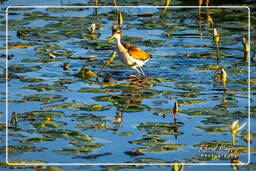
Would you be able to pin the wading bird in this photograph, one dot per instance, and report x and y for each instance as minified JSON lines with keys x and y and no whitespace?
{"x":130,"y":55}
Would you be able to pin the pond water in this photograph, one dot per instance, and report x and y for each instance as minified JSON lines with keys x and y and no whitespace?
{"x":65,"y":118}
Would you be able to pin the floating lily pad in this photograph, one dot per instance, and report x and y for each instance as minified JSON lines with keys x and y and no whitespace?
{"x":22,"y":164}
{"x":48,"y":124}
{"x":17,"y":68}
{"x":160,"y":148}
{"x":148,"y":160}
{"x":32,"y":80}
{"x":18,"y":149}
{"x":98,"y":90}
{"x":45,"y":87}
{"x":65,"y":81}
{"x":37,"y":140}
{"x":127,"y":134}
{"x":152,"y":126}
{"x":214,"y":129}
{"x":216,"y":120}
{"x":79,"y":106}
{"x":40,"y":115}
{"x":93,"y":126}
{"x":62,"y":133}
{"x":86,"y":117}
{"x":44,"y":98}
{"x":162,"y":111}
{"x":149,"y":141}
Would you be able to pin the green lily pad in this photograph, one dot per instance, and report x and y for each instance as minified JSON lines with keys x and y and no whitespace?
{"x":40,"y":115}
{"x":160,"y":148}
{"x":65,"y":81}
{"x":18,"y":149}
{"x":78,"y":106}
{"x":45,"y":87}
{"x":62,"y":133}
{"x":155,"y":126}
{"x":102,"y":126}
{"x":148,"y":160}
{"x":51,"y":124}
{"x":22,"y":164}
{"x":214,"y":129}
{"x":86,"y":117}
{"x":17,"y":68}
{"x":44,"y":98}
{"x":32,"y":80}
{"x":36,"y":140}
{"x":127,"y":134}
{"x":149,"y":141}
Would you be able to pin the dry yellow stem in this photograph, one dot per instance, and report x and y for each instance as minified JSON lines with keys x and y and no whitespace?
{"x":120,"y":20}
{"x":116,"y":6}
{"x":167,"y":3}
{"x":108,"y":62}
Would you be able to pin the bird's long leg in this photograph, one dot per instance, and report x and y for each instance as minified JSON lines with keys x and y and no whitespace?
{"x":141,"y":71}
{"x":137,"y":69}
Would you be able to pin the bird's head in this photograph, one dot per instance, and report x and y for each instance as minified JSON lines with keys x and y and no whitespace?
{"x":116,"y":35}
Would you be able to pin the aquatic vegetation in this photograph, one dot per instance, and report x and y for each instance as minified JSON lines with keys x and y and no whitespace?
{"x":57,"y":107}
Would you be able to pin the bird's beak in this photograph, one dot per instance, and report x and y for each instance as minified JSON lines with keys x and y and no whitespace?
{"x":111,"y":39}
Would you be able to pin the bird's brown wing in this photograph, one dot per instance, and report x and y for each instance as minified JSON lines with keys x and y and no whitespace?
{"x":137,"y":53}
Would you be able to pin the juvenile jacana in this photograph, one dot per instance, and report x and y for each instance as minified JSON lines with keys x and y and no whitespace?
{"x":130,"y":55}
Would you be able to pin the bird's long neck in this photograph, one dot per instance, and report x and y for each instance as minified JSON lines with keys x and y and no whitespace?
{"x":119,"y":41}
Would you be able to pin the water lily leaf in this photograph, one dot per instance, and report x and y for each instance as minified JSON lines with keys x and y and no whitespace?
{"x":40,"y":115}
{"x":44,"y":97}
{"x":18,"y":149}
{"x":131,"y":107}
{"x":206,"y":111}
{"x":102,"y":126}
{"x":97,"y":90}
{"x":45,"y":87}
{"x":43,"y":125}
{"x":62,"y":133}
{"x":41,"y":60}
{"x":153,"y":126}
{"x":65,"y":81}
{"x":149,"y":141}
{"x":17,"y":68}
{"x":22,"y":164}
{"x":160,"y":148}
{"x":216,"y":120}
{"x":187,"y":102}
{"x":32,"y":80}
{"x":37,"y":140}
{"x":86,"y":117}
{"x":148,"y":160}
{"x":78,"y":106}
{"x":162,"y":111}
{"x":127,"y":134}
{"x":214,"y":129}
